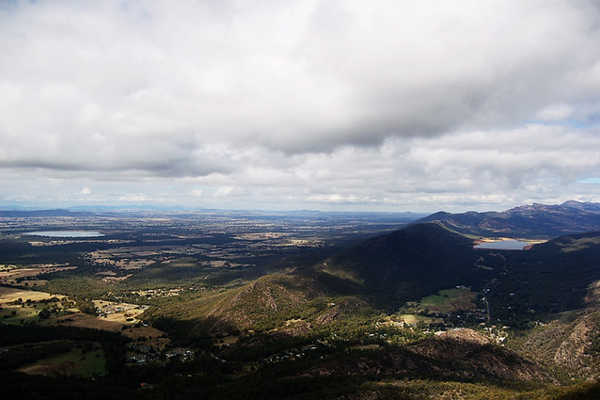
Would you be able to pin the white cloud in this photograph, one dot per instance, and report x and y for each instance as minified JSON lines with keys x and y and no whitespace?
{"x":300,"y":104}
{"x":555,"y":112}
{"x":224,"y":191}
{"x":134,"y":198}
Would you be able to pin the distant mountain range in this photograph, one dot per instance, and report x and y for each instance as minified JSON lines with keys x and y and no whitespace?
{"x":534,"y":221}
{"x":42,"y":213}
{"x":528,"y":221}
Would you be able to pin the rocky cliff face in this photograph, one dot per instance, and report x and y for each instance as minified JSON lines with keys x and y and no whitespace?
{"x":576,"y":352}
{"x":570,"y":345}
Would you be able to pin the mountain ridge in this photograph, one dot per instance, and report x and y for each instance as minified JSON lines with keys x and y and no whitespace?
{"x":539,"y":221}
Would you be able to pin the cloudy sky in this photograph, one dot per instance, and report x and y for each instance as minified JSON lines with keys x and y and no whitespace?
{"x":332,"y":105}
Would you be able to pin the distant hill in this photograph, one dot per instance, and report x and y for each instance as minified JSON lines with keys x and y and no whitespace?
{"x":409,"y":263}
{"x":288,"y":304}
{"x":555,"y":276}
{"x":529,"y":221}
{"x":421,"y":259}
{"x":42,"y":213}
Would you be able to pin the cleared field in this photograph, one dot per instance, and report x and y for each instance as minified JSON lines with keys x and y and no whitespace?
{"x":366,"y":347}
{"x":143,"y":332}
{"x":260,"y":236}
{"x":125,"y":264}
{"x":113,"y":279}
{"x":184,"y":262}
{"x":8,"y":295}
{"x":148,"y":336}
{"x":17,"y":315}
{"x":33,"y":283}
{"x":77,"y":362}
{"x":414,"y":320}
{"x":81,"y":320}
{"x":400,"y":320}
{"x":449,"y":300}
{"x":10,"y":274}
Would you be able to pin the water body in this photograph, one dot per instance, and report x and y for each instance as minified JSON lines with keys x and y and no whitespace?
{"x":65,"y":234}
{"x":509,"y":244}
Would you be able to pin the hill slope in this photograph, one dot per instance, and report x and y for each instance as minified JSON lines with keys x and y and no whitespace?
{"x":291,"y":304}
{"x":570,"y":343}
{"x":552,"y":277}
{"x":384,"y":272}
{"x":409,"y":263}
{"x":349,"y":302}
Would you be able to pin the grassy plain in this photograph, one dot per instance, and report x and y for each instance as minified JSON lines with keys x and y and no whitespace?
{"x":77,"y":362}
{"x":9,"y":295}
{"x":449,"y":300}
{"x":81,"y":320}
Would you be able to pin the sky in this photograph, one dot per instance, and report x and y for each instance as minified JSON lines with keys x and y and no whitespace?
{"x":329,"y":105}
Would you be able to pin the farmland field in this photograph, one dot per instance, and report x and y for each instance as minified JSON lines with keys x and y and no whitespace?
{"x":8,"y":295}
{"x":77,"y":362}
{"x":449,"y":300}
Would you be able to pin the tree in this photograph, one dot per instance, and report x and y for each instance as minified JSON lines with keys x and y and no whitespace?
{"x":44,"y":314}
{"x":86,"y":306}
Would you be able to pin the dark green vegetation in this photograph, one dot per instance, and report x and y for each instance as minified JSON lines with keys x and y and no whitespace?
{"x":408,"y":264}
{"x":302,"y":308}
{"x":530,"y":221}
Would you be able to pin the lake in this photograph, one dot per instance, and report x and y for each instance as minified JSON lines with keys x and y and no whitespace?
{"x":65,"y":234}
{"x":509,"y":244}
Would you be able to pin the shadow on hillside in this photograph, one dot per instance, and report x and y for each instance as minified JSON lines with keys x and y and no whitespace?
{"x":199,"y":332}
